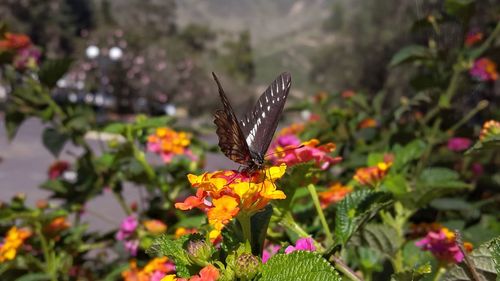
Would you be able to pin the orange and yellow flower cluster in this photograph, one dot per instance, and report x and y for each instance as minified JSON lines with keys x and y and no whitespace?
{"x":335,"y":193}
{"x":484,"y":69}
{"x":224,"y":194}
{"x":168,"y":143}
{"x":490,"y":128}
{"x":155,"y":270}
{"x":373,"y":175}
{"x":25,"y":54}
{"x":208,"y":273}
{"x":443,"y":245}
{"x":12,"y":242}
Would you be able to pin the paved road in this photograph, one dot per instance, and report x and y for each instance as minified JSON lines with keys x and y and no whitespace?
{"x":25,"y":164}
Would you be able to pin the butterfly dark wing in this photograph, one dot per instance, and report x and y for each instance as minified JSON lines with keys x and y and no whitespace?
{"x":231,"y":139}
{"x":260,"y":123}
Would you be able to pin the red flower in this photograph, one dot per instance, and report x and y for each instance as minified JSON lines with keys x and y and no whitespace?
{"x":57,"y":169}
{"x":15,"y":41}
{"x":473,"y":37}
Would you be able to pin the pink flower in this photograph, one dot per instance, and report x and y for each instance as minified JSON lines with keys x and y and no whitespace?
{"x":291,"y":154}
{"x":270,"y":251}
{"x":303,"y":244}
{"x":127,"y":228}
{"x":477,"y":169}
{"x":28,"y":57}
{"x":442,"y":245}
{"x":132,"y":246}
{"x":458,"y":144}
{"x":484,"y":69}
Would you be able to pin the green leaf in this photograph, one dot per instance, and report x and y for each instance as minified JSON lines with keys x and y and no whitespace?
{"x":173,"y":249}
{"x":409,"y":54}
{"x":116,"y":272}
{"x":153,"y":122}
{"x":259,"y":224}
{"x":52,"y":70}
{"x":403,"y":155}
{"x":495,"y":251}
{"x":354,"y":209}
{"x":382,"y":238}
{"x":54,"y":141}
{"x":115,"y":128}
{"x":491,"y":143}
{"x":13,"y":119}
{"x":462,"y":9}
{"x":483,"y":259}
{"x":395,"y":183}
{"x":299,"y":265}
{"x":437,"y":177}
{"x":412,"y":274}
{"x":34,"y":277}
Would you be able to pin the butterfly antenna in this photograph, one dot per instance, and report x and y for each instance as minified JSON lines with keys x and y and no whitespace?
{"x":293,"y":148}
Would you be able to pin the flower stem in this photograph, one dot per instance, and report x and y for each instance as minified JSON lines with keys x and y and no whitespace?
{"x":441,"y":270}
{"x":288,"y":221}
{"x":246,"y":226}
{"x":346,"y":270}
{"x":314,"y":196}
{"x":48,"y":256}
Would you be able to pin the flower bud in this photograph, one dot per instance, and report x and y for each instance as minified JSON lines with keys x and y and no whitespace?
{"x":247,"y":266}
{"x":199,"y":252}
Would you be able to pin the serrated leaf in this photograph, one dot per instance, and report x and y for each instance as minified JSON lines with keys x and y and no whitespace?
{"x":381,"y":238}
{"x":173,"y":249}
{"x":483,"y":259}
{"x":494,"y":248}
{"x":412,"y":274}
{"x":488,"y":144}
{"x":54,"y":141}
{"x":51,"y":71}
{"x":410,"y":53}
{"x":354,"y":209}
{"x":297,"y":266}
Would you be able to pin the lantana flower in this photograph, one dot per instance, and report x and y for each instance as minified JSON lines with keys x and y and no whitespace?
{"x":155,"y":226}
{"x":56,"y":226}
{"x":14,"y":41}
{"x":302,"y":244}
{"x":458,"y":144}
{"x":287,"y":150}
{"x":443,"y":245}
{"x":270,"y":251}
{"x":181,"y":231}
{"x":490,"y":128}
{"x":373,"y":175}
{"x":335,"y":193}
{"x":484,"y":69}
{"x":155,"y":270}
{"x":208,"y":273}
{"x":57,"y":169}
{"x":473,"y":37}
{"x":367,"y":123}
{"x":224,"y":194}
{"x":126,"y":233}
{"x":25,"y":54}
{"x":12,"y":242}
{"x":169,"y":143}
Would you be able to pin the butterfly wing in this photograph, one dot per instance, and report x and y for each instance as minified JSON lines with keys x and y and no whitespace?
{"x":261,"y":121}
{"x":231,"y":139}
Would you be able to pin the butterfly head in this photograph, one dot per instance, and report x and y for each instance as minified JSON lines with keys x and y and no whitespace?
{"x":257,"y":160}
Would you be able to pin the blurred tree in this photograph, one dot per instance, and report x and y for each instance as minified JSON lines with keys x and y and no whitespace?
{"x":52,"y":24}
{"x":197,"y":36}
{"x":238,"y":61}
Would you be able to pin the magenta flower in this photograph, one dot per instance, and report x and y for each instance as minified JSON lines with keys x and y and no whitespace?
{"x":270,"y":251}
{"x":28,"y":57}
{"x":132,"y":246}
{"x":442,"y":245}
{"x":484,"y":69}
{"x":459,"y":144}
{"x":303,"y":244}
{"x":127,"y":228}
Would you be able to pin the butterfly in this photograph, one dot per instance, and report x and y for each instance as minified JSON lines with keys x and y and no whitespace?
{"x":246,"y":141}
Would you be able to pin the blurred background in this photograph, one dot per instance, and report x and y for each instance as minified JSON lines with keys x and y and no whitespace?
{"x":156,"y":57}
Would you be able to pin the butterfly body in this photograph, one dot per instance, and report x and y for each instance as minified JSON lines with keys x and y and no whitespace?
{"x":246,"y":141}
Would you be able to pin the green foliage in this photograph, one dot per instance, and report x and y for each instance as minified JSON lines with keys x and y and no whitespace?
{"x":410,"y":54}
{"x":54,"y":141}
{"x":356,"y":209}
{"x":412,"y":274}
{"x":483,"y":261}
{"x":51,"y":71}
{"x":298,"y":265}
{"x":173,"y":249}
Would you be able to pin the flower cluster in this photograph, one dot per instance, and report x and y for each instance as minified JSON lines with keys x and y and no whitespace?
{"x":458,"y":144}
{"x":287,"y":149}
{"x":155,"y":226}
{"x":373,"y":175}
{"x":490,"y":128}
{"x":208,"y":273}
{"x":25,"y":54}
{"x":168,"y":143}
{"x":155,"y":270}
{"x":302,"y":244}
{"x":443,"y":245}
{"x":367,"y":123}
{"x":484,"y":69}
{"x":223,"y":194}
{"x":56,"y":226}
{"x":57,"y":169}
{"x":335,"y":193}
{"x":126,"y":233}
{"x":473,"y":37}
{"x":13,"y":240}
